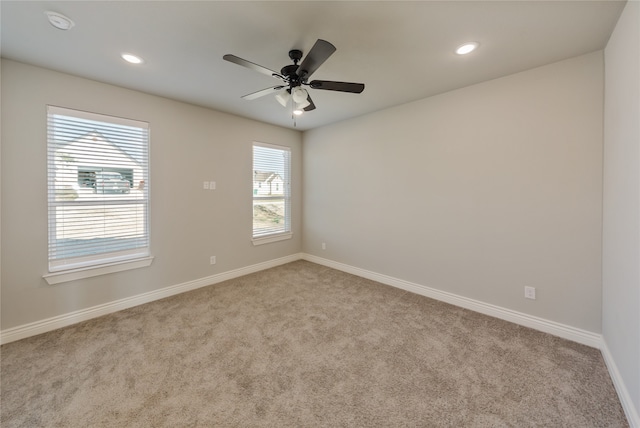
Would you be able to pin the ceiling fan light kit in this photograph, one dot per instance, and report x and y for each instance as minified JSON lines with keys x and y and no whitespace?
{"x":295,"y":76}
{"x":283,"y":98}
{"x":299,"y":95}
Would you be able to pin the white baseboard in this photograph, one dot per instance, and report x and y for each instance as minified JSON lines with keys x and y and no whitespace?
{"x":557,"y":329}
{"x":561,"y":330}
{"x":551,"y":327}
{"x":628,"y":405}
{"x":49,"y":324}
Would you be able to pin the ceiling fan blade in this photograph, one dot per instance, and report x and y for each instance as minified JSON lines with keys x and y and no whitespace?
{"x":311,"y":105}
{"x":262,"y":92}
{"x":255,"y":67}
{"x":330,"y":85}
{"x":318,"y":54}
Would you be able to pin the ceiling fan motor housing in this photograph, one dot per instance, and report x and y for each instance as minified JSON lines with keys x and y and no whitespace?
{"x":290,"y":71}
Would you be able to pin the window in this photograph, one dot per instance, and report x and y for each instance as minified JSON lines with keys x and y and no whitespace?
{"x":271,"y":193}
{"x":98,"y":190}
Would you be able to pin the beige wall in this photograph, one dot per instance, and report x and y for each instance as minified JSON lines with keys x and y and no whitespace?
{"x":621,"y":232}
{"x":477,"y":192}
{"x":189,"y":145}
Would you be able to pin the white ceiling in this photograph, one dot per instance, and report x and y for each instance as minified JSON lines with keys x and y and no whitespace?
{"x":402,"y":51}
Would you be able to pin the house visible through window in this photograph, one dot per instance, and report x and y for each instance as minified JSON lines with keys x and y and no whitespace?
{"x":271,"y":193}
{"x":98,"y":187}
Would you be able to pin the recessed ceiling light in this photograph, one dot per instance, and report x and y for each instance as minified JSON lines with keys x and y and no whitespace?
{"x":298,"y":112}
{"x":133,"y":59}
{"x":59,"y":21}
{"x":467,"y":48}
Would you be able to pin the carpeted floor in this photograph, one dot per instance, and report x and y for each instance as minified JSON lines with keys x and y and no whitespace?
{"x":302,"y":345}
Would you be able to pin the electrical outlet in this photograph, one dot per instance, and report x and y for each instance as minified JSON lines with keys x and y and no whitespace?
{"x":530,"y":293}
{"x":324,"y":246}
{"x":212,"y":260}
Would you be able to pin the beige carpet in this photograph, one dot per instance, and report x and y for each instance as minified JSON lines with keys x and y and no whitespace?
{"x":302,"y":345}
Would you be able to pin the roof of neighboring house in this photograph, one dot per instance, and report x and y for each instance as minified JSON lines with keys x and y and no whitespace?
{"x":94,"y":139}
{"x":265,"y":176}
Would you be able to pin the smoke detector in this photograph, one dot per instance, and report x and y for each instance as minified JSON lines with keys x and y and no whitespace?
{"x":59,"y":21}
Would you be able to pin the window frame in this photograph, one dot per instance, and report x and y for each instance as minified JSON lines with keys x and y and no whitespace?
{"x":68,"y":268}
{"x":287,"y":233}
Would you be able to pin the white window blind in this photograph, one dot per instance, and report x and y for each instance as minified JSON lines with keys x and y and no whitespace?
{"x":98,"y":189}
{"x":271,"y":190}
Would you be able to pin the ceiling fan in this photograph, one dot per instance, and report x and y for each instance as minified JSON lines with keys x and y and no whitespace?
{"x":295,"y":76}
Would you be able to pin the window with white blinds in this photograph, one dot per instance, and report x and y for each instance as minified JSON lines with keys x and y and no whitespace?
{"x":98,"y":189}
{"x":271,"y":193}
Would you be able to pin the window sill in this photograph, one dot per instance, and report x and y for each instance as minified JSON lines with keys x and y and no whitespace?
{"x":271,"y":238}
{"x":88,"y":272}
